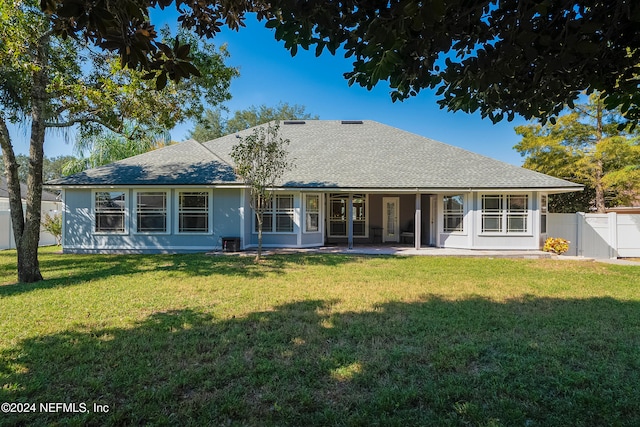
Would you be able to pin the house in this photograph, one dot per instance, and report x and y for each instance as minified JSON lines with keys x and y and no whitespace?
{"x":633,"y":208}
{"x":51,"y":205}
{"x":354,"y":182}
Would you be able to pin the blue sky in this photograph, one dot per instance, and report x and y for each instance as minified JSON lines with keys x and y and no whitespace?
{"x":269,"y":75}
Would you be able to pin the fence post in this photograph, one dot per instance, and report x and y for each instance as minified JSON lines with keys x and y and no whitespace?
{"x":579,"y":231}
{"x":613,"y":234}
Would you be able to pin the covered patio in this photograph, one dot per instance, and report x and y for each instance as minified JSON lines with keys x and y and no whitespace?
{"x":381,"y":217}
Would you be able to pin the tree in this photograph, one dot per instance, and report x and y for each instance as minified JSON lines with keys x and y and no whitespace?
{"x":108,"y":147}
{"x":53,"y":225}
{"x":51,"y":167}
{"x":51,"y":82}
{"x":260,"y":160}
{"x":506,"y":57}
{"x":213,"y":125}
{"x":588,"y":146}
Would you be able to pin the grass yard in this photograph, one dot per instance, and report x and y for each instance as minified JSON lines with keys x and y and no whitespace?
{"x":306,"y":340}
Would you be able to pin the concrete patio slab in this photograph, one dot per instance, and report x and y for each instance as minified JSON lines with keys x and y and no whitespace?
{"x":404,"y":251}
{"x":429,"y":251}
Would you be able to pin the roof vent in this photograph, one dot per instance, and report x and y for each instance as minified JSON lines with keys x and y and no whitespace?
{"x":351,"y":122}
{"x":294,"y":122}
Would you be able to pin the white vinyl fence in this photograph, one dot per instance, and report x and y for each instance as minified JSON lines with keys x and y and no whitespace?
{"x":609,"y":235}
{"x":6,"y":230}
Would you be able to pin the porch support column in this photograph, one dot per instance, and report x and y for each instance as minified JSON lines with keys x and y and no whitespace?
{"x":417,"y":228}
{"x":350,"y":222}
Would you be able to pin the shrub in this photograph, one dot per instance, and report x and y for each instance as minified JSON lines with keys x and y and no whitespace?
{"x":53,"y":225}
{"x":557,"y":245}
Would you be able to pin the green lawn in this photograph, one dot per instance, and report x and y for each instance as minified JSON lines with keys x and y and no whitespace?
{"x":307,"y":340}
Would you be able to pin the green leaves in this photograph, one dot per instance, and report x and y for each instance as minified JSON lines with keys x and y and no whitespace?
{"x":94,"y":91}
{"x":588,"y":147}
{"x":213,"y":125}
{"x":513,"y":57}
{"x":260,"y":160}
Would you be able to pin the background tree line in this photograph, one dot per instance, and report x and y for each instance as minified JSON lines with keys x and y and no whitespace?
{"x":589,"y":145}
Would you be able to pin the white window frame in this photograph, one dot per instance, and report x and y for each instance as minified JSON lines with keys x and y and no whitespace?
{"x":94,"y":211}
{"x":344,"y":196}
{"x":463,"y":213}
{"x":176,"y":221}
{"x":167,"y":211}
{"x":503,"y":213}
{"x":305,"y":213}
{"x":273,"y":211}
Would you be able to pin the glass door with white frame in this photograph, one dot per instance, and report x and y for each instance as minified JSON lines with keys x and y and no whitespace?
{"x":390,"y":219}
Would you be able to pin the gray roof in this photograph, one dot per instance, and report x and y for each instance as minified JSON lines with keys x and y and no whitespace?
{"x":4,"y":191}
{"x":327,"y":154}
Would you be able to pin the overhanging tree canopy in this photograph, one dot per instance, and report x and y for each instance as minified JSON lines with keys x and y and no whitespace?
{"x":507,"y":57}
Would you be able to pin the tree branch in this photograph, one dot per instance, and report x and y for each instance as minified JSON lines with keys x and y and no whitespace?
{"x":83,"y":120}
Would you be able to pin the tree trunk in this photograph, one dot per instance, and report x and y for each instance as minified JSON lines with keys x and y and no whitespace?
{"x":27,"y":242}
{"x":599,"y":172}
{"x":26,"y":233}
{"x":260,"y":219}
{"x":13,"y":181}
{"x":599,"y":202}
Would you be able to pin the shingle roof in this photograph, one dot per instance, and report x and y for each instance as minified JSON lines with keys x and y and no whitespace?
{"x":4,"y":191}
{"x":327,"y":153}
{"x":188,"y":162}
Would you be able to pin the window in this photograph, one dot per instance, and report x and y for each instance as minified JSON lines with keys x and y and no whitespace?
{"x":517,"y":213}
{"x":193,"y":212}
{"x":453,"y":213}
{"x":505,"y":213}
{"x":311,"y":213}
{"x":267,"y":218}
{"x":110,"y":211}
{"x":491,"y":214}
{"x":151,"y":212}
{"x":284,"y":214}
{"x":543,"y":214}
{"x":278,"y":215}
{"x":338,"y":210}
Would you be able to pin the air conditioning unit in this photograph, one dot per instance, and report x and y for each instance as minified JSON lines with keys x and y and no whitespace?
{"x":230,"y":244}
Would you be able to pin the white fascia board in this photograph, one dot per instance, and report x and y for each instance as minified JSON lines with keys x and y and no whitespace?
{"x":548,"y":190}
{"x":412,"y":190}
{"x":154,"y":186}
{"x":431,"y":190}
